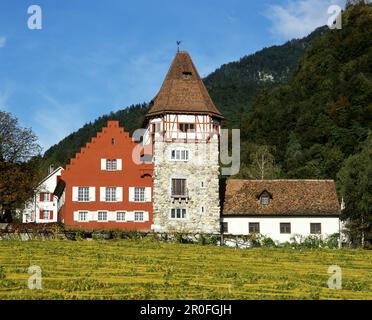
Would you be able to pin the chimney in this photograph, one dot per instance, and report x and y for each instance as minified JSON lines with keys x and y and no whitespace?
{"x":50,"y":169}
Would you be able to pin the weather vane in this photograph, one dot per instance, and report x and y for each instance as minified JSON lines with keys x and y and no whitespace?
{"x":178,"y":45}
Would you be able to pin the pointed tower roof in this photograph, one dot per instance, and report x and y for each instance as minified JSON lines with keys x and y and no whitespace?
{"x":183,"y":91}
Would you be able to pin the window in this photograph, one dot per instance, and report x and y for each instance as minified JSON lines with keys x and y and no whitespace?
{"x":111,"y":194}
{"x":120,"y":216}
{"x":138,"y":216}
{"x":102,"y":216}
{"x":186,"y":74}
{"x":178,"y":213}
{"x":264,"y":201}
{"x":202,"y":184}
{"x":254,"y":227}
{"x":180,"y":155}
{"x":315,"y":228}
{"x":83,"y":216}
{"x":225,"y":227}
{"x":187,"y":127}
{"x":178,"y":187}
{"x":111,"y":165}
{"x":83,"y":194}
{"x":285,"y":228}
{"x":113,"y":141}
{"x":139,"y":194}
{"x":46,"y":196}
{"x":46,"y":215}
{"x":202,"y":209}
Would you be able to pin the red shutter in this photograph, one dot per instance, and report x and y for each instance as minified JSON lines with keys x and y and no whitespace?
{"x":51,"y":215}
{"x":51,"y":197}
{"x":41,"y":215}
{"x":41,"y":196}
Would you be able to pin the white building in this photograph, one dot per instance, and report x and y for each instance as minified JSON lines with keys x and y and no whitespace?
{"x":45,"y":205}
{"x":281,"y":209}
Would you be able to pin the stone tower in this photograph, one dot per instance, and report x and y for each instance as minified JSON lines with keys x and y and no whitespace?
{"x":183,"y":130}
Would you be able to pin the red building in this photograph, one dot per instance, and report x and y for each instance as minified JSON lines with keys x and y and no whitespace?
{"x":105,"y":188}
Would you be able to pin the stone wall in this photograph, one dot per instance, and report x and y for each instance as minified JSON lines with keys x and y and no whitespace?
{"x":202,"y":166}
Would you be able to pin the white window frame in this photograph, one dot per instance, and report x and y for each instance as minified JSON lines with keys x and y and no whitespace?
{"x":179,"y":155}
{"x":83,"y":216}
{"x":139,"y":214}
{"x":139,"y":194}
{"x":182,"y":211}
{"x":83,"y":194}
{"x":46,"y":197}
{"x":120,"y":216}
{"x":46,"y":214}
{"x":101,"y":215}
{"x":110,"y":194}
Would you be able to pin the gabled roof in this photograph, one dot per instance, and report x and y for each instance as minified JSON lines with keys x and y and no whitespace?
{"x":50,"y":175}
{"x":183,"y":91}
{"x":289,"y":198}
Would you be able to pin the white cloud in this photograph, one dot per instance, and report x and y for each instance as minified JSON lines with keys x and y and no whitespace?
{"x":4,"y":96}
{"x":2,"y":42}
{"x":296,"y":19}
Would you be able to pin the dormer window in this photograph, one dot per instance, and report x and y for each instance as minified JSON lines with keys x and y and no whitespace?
{"x":186,"y":74}
{"x":265,"y":198}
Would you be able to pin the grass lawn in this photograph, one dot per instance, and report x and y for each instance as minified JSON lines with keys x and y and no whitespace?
{"x":147,"y":269}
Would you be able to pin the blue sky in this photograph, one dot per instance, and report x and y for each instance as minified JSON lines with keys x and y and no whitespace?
{"x":94,"y":57}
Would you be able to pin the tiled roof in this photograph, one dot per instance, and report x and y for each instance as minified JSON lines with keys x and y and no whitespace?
{"x":183,"y":91}
{"x":288,"y":197}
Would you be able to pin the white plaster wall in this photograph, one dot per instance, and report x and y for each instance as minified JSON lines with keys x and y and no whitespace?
{"x":270,"y":226}
{"x":33,"y":207}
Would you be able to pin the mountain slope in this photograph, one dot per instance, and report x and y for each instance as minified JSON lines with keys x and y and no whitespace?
{"x":232,"y":87}
{"x":323,"y":114}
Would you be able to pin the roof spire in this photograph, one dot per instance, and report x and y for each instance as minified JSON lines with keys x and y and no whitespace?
{"x":178,"y":45}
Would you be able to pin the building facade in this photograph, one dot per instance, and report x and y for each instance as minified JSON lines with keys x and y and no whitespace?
{"x":105,"y":187}
{"x":45,"y":205}
{"x":281,"y":209}
{"x":183,"y":133}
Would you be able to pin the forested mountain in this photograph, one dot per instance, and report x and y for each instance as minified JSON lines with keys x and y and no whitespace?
{"x":232,"y":88}
{"x":318,"y":125}
{"x":234,"y":85}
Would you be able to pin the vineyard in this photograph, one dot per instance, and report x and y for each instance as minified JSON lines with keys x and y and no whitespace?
{"x":148,"y":269}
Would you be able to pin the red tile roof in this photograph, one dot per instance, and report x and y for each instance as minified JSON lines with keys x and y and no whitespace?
{"x":288,"y":197}
{"x":183,"y":91}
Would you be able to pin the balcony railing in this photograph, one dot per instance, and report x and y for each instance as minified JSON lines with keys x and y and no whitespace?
{"x":180,"y":196}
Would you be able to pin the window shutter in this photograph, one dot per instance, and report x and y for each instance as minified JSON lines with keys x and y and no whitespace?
{"x":51,"y":196}
{"x":41,"y":196}
{"x":131,"y":194}
{"x":76,"y":216}
{"x":51,"y":215}
{"x":75,"y":191}
{"x":129,"y":216}
{"x":119,"y":194}
{"x":102,"y":194}
{"x":103,"y":164}
{"x":41,"y":214}
{"x":145,"y":216}
{"x":119,"y":164}
{"x":148,"y":194}
{"x":92,"y":194}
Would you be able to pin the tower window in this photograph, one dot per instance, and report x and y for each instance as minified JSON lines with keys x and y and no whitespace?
{"x":178,"y":213}
{"x":187,"y":127}
{"x":179,"y":187}
{"x":264,"y":201}
{"x":113,"y":141}
{"x":186,"y":74}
